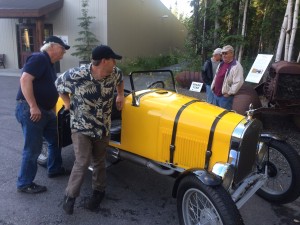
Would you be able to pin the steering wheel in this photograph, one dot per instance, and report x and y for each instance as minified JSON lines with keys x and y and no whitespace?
{"x":126,"y":92}
{"x":157,"y":84}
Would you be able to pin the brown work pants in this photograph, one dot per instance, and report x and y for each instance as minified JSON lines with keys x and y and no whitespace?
{"x":87,"y":150}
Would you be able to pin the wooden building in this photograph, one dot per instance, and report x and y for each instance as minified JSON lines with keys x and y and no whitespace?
{"x":131,"y":27}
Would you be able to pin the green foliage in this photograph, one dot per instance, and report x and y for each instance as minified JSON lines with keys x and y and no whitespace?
{"x":263,"y":25}
{"x":191,"y":57}
{"x":149,"y":63}
{"x":247,"y":63}
{"x":86,"y":40}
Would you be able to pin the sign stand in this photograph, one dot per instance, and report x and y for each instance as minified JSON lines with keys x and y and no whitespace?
{"x":196,"y":86}
{"x":258,"y":68}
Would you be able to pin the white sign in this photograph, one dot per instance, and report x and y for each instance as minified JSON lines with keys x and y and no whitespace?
{"x":196,"y":86}
{"x":258,"y":68}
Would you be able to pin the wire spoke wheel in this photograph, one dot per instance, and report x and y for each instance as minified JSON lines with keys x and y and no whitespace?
{"x":199,"y":209}
{"x":201,"y":204}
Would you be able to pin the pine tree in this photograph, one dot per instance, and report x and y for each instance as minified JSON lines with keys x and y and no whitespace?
{"x":86,"y":40}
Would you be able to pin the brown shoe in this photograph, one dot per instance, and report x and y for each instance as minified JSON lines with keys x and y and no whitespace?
{"x":68,"y":205}
{"x":95,"y":200}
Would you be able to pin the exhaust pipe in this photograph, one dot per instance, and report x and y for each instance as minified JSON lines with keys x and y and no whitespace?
{"x":116,"y":154}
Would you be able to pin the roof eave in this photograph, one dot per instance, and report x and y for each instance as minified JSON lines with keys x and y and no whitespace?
{"x":30,"y":13}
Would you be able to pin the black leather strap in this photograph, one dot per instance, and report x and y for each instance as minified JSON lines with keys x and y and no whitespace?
{"x":211,"y":137}
{"x":172,"y":145}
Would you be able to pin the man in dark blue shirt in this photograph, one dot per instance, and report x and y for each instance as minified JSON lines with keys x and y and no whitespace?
{"x":36,"y":99}
{"x":209,"y":71}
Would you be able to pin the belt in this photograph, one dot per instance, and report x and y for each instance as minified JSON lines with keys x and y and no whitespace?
{"x":24,"y":101}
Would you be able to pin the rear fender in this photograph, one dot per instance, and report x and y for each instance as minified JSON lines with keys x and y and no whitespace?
{"x":204,"y":176}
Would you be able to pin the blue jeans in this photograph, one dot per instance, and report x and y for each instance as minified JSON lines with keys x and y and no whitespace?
{"x":209,"y":94}
{"x":224,"y":102}
{"x":33,"y":133}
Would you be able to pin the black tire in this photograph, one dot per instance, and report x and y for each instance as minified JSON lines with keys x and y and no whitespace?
{"x":198,"y":203}
{"x":296,"y":120}
{"x":283,"y":183}
{"x":43,"y":157}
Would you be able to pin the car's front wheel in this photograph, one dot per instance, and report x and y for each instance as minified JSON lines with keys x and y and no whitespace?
{"x":198,"y":203}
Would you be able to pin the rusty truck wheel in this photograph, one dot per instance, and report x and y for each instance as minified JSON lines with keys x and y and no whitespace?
{"x":283,"y":163}
{"x":296,"y":120}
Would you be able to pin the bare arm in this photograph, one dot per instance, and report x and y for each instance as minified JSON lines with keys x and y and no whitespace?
{"x":26,"y":82}
{"x":120,"y":96}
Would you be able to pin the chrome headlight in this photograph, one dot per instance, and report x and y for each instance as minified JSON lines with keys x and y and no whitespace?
{"x":226,"y":171}
{"x":234,"y":156}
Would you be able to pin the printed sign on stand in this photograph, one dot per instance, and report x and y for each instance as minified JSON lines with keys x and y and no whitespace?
{"x":196,"y":86}
{"x":258,"y":68}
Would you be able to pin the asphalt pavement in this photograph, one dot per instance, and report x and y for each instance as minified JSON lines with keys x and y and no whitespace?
{"x":135,"y":195}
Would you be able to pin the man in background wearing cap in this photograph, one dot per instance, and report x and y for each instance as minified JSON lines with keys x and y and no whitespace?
{"x":209,"y":71}
{"x":88,"y":93}
{"x":36,"y":99}
{"x":228,"y":80}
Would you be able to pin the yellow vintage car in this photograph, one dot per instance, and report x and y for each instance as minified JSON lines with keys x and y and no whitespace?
{"x":218,"y":158}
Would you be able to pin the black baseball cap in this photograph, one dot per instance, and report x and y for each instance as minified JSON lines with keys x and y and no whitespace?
{"x":57,"y":40}
{"x":104,"y":52}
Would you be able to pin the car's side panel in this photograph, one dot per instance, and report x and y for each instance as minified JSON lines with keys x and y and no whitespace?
{"x":224,"y":130}
{"x":193,"y":133}
{"x":59,"y":105}
{"x":147,"y":129}
{"x":140,"y":126}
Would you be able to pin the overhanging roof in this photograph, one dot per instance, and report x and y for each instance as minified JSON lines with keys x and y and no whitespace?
{"x":28,"y":8}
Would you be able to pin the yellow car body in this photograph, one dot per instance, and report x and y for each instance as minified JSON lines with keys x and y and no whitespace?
{"x":219,"y":158}
{"x":147,"y":129}
{"x":210,"y":151}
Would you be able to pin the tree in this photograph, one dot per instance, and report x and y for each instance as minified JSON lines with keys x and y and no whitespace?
{"x":86,"y":40}
{"x":288,"y":31}
{"x":243,"y":29}
{"x":251,"y":26}
{"x":282,"y":36}
{"x":294,"y":28}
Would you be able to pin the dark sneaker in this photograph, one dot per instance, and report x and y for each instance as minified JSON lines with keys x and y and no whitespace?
{"x":68,"y":205}
{"x":62,"y":172}
{"x":95,"y":200}
{"x":33,"y":189}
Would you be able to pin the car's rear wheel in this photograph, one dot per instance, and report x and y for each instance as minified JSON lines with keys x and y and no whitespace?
{"x":283,"y":184}
{"x":43,"y":157}
{"x":198,"y":203}
{"x":296,"y":120}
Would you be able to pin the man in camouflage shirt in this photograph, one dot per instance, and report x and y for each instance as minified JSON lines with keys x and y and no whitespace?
{"x":88,"y":93}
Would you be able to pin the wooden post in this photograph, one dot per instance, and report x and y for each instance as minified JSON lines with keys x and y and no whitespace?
{"x":39,"y":32}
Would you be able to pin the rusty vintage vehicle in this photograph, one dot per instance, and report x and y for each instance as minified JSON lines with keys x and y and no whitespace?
{"x":218,"y":158}
{"x":278,"y":93}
